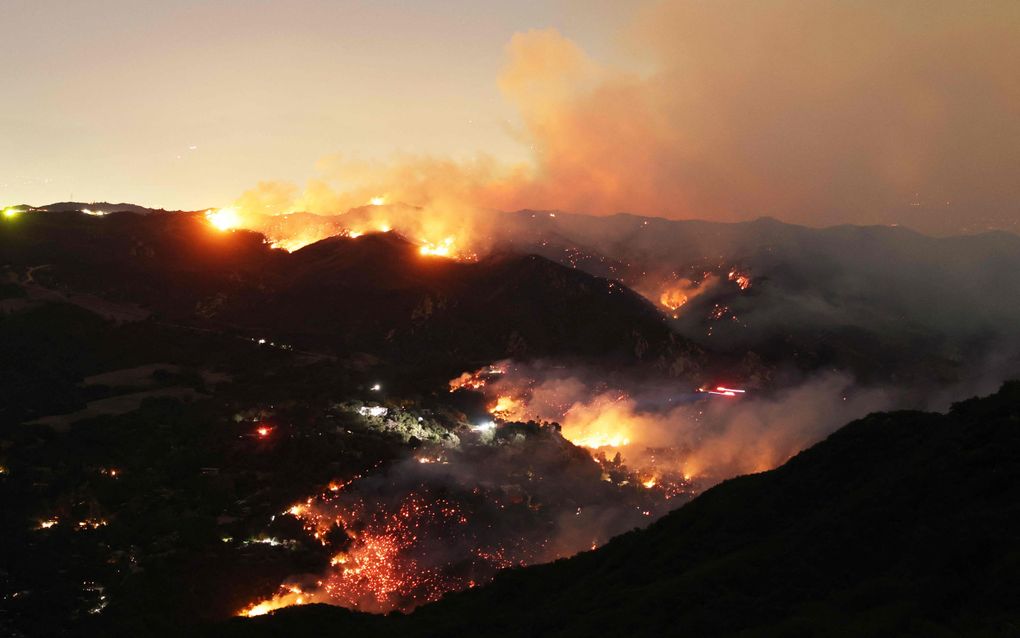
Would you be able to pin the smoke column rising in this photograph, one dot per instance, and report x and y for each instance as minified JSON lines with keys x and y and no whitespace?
{"x":815,"y":112}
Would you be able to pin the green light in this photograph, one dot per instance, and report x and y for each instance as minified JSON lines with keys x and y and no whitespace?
{"x":11,"y":213}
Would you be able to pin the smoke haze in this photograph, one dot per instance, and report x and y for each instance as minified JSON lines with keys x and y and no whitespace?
{"x":814,"y":112}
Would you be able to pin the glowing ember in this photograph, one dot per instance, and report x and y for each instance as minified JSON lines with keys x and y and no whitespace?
{"x":649,"y":484}
{"x":224,"y":218}
{"x":263,"y":431}
{"x":385,"y":561}
{"x":743,"y":281}
{"x":48,"y":523}
{"x":397,"y":552}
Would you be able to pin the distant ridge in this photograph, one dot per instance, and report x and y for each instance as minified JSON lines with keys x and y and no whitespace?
{"x":104,"y":207}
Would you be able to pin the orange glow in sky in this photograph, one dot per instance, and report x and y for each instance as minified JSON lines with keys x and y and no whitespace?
{"x":596,"y":106}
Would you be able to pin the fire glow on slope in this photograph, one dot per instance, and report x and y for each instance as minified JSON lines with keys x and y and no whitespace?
{"x":674,"y":293}
{"x":659,"y":429}
{"x":437,"y":233}
{"x":382,"y":555}
{"x":449,"y":518}
{"x":224,"y":218}
{"x":663,"y":427}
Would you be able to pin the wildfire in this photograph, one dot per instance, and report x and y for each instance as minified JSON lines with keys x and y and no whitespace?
{"x":672,"y":299}
{"x":505,"y":407}
{"x":294,"y":243}
{"x":601,"y":439}
{"x":384,"y":564}
{"x":475,"y":380}
{"x":287,"y":596}
{"x":224,"y":218}
{"x":442,"y":249}
{"x":377,"y":201}
{"x":680,"y":291}
{"x":742,"y":280}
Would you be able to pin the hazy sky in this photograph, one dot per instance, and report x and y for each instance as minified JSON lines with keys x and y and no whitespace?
{"x":104,"y":99}
{"x":813,"y":111}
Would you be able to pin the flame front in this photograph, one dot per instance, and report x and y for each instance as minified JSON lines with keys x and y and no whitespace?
{"x":286,"y":597}
{"x":442,"y":249}
{"x":224,"y":218}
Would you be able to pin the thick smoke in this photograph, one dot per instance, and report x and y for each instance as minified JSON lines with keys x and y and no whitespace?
{"x":663,"y":427}
{"x":706,"y":437}
{"x":816,"y":112}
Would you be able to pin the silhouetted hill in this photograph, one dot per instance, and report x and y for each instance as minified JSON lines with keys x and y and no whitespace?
{"x":885,"y":302}
{"x":374,"y":294}
{"x":102,"y":207}
{"x":898,"y":524}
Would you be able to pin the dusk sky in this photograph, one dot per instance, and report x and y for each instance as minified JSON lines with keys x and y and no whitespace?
{"x":815,"y":113}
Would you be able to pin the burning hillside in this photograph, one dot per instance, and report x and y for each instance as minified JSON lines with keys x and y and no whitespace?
{"x":449,"y":518}
{"x":435,"y":234}
{"x":664,"y":429}
{"x":562,"y":464}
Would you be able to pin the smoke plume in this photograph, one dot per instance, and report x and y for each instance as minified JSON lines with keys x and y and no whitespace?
{"x":815,"y":112}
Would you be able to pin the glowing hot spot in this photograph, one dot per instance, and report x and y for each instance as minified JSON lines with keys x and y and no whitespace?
{"x":442,"y":249}
{"x":223,"y":218}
